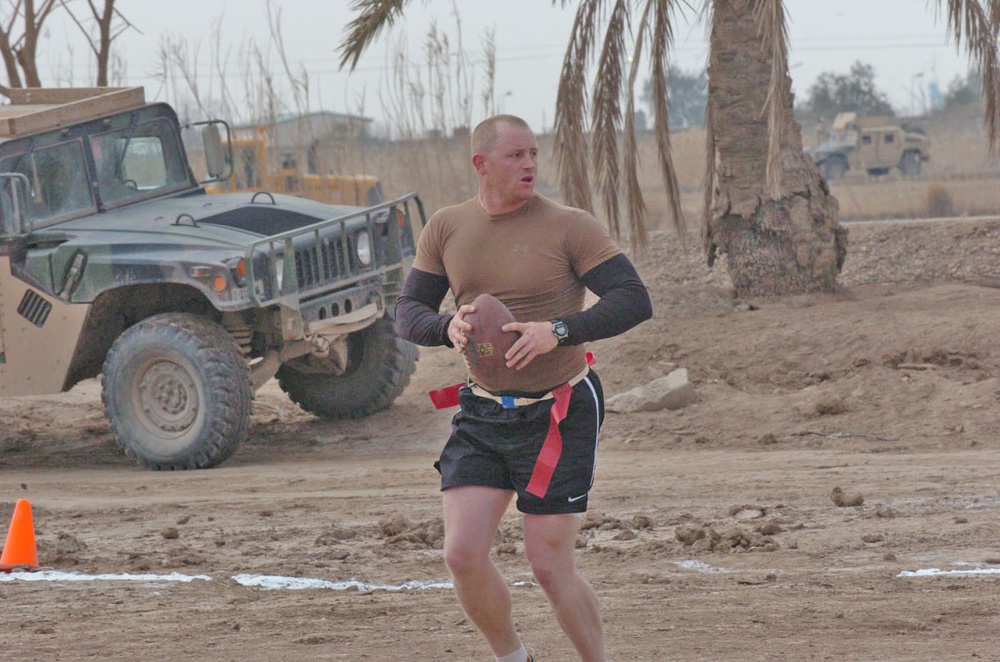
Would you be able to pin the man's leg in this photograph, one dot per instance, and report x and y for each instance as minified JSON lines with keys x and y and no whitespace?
{"x":549,"y":543}
{"x":471,"y":517}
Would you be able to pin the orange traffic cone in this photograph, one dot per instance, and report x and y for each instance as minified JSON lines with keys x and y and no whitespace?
{"x":19,"y":551}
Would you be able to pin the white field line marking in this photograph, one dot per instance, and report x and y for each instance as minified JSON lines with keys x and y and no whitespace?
{"x":58,"y":576}
{"x":935,"y":572}
{"x":700,"y":566}
{"x":299,"y":583}
{"x":254,"y":581}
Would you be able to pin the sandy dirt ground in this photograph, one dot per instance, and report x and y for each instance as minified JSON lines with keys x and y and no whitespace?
{"x":839,"y":445}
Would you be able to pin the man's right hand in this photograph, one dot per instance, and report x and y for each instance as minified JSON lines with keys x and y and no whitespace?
{"x":458,"y":328}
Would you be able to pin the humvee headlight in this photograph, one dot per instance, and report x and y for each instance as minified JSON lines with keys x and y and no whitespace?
{"x":241,"y":269}
{"x":211,"y":276}
{"x":238,"y":268}
{"x":363,"y":248}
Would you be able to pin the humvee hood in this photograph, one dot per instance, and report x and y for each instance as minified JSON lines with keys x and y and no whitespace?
{"x":229,"y":219}
{"x":162,"y":240}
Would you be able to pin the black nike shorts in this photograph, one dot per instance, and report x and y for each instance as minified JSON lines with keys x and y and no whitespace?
{"x":497,"y":447}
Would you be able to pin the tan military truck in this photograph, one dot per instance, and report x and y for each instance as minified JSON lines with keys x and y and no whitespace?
{"x":873,"y":144}
{"x":115,"y":263}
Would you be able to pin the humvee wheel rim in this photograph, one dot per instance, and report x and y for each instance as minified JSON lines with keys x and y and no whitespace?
{"x":167,"y":398}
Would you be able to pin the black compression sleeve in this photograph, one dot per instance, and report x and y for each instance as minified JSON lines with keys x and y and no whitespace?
{"x":624,"y":302}
{"x":417,"y":317}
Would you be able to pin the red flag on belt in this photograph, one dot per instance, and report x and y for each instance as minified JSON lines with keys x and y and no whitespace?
{"x":551,"y":451}
{"x":448,"y":396}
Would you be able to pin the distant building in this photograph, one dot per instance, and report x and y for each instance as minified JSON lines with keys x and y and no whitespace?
{"x":298,"y":130}
{"x":308,"y":140}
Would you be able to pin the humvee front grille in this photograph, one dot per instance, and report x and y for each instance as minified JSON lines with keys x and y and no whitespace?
{"x":34,"y":308}
{"x":324,"y":258}
{"x":322,"y":262}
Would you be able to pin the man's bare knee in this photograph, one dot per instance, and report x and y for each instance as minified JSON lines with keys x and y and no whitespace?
{"x":464,"y":561}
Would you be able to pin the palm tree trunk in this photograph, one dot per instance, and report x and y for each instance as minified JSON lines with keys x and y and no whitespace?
{"x":792,"y":244}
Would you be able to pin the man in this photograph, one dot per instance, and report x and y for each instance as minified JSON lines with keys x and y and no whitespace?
{"x":539,"y":258}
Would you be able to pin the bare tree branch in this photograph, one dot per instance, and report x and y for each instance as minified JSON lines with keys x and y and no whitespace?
{"x":488,"y":95}
{"x":227,"y":103}
{"x":19,"y":51}
{"x":7,"y":51}
{"x":101,"y":45}
{"x":300,"y":82}
{"x":27,"y":55}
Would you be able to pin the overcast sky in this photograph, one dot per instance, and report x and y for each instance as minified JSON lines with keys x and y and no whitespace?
{"x":902,"y":39}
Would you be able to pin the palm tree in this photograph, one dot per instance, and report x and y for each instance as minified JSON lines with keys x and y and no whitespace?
{"x":767,"y":211}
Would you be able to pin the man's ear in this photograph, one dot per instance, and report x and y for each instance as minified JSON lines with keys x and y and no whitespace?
{"x":479,"y":163}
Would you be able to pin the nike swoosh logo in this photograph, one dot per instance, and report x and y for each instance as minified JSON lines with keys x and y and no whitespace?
{"x":575,"y":499}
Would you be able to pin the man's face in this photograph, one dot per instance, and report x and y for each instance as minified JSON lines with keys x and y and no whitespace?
{"x":509,"y":169}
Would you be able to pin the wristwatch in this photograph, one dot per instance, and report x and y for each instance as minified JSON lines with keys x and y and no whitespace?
{"x":560,"y":331}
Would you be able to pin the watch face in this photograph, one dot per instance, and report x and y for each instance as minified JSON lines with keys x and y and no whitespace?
{"x":559,"y":330}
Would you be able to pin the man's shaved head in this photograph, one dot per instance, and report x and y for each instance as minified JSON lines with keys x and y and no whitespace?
{"x":485,"y":133}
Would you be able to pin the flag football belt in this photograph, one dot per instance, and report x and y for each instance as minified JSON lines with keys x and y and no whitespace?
{"x":448,"y":396}
{"x":512,"y":402}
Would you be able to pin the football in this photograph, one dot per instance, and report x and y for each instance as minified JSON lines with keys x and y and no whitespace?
{"x":487,"y":343}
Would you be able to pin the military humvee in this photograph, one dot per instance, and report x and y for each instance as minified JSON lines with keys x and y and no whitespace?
{"x":114,"y":262}
{"x":871,"y":144}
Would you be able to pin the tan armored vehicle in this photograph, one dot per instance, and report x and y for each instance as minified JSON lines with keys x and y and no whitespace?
{"x":869,"y":144}
{"x":115,"y":262}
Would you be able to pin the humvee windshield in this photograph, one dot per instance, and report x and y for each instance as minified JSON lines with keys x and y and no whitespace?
{"x":134,"y":162}
{"x":130,"y":163}
{"x":839,"y":138}
{"x":58,"y":178}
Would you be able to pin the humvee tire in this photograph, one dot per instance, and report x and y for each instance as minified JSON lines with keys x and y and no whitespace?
{"x":177,"y":392}
{"x":379,"y":366}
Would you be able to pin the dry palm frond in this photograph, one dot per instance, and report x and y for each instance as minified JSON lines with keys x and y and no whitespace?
{"x":607,"y":113}
{"x":659,"y":52}
{"x":373,"y":15}
{"x":633,"y":191}
{"x":570,"y":132}
{"x":981,"y":26}
{"x":771,"y":26}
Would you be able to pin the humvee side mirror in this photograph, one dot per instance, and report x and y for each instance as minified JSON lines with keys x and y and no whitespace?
{"x":215,"y":159}
{"x":218,"y":152}
{"x":14,"y":204}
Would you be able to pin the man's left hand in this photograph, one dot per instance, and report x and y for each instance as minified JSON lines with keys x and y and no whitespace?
{"x":536,"y":338}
